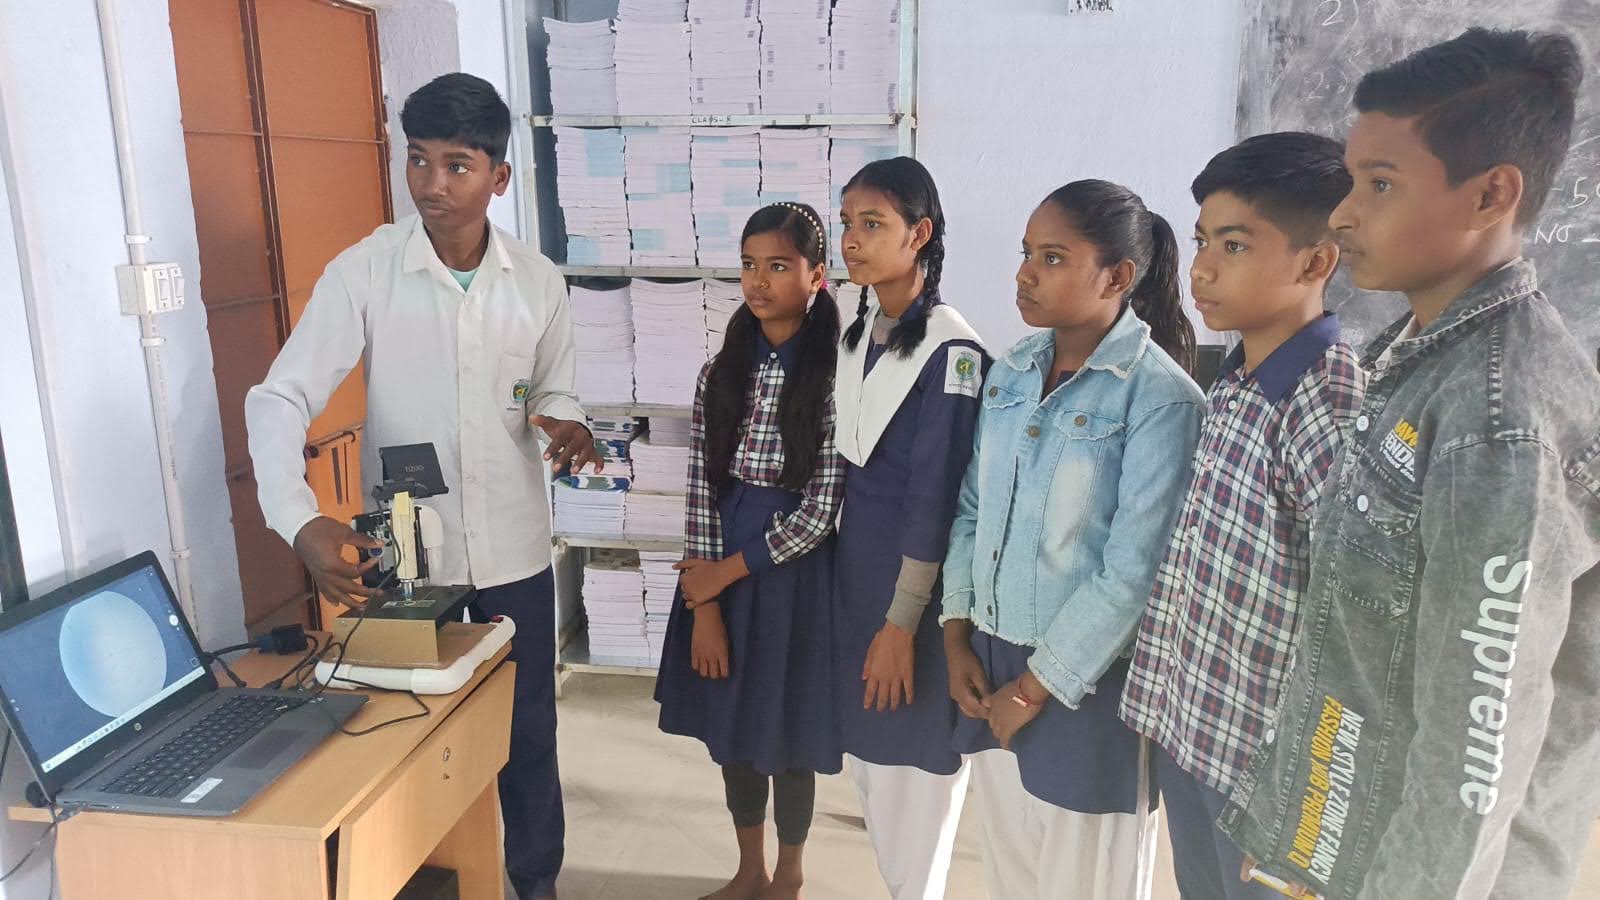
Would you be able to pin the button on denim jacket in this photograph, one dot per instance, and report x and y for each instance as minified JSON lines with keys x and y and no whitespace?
{"x":1068,"y":503}
{"x":1437,"y":735}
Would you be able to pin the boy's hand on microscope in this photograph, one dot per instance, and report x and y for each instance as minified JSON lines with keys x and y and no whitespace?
{"x":321,"y":543}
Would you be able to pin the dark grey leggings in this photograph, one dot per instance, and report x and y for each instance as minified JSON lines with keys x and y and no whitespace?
{"x":794,"y":794}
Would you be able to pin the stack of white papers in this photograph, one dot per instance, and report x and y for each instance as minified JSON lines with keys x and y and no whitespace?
{"x":703,"y":11}
{"x":653,"y":10}
{"x":853,"y":147}
{"x":723,"y":299}
{"x":660,"y":584}
{"x":670,"y":431}
{"x":595,"y":508}
{"x":617,"y":457}
{"x":613,"y":599}
{"x":660,"y":206}
{"x":794,"y":168}
{"x":794,"y":56}
{"x":668,"y":348}
{"x":726,"y":167}
{"x":660,"y":467}
{"x":602,"y":330}
{"x":654,"y":515}
{"x":865,"y":76}
{"x":725,"y":63}
{"x":594,"y":201}
{"x":652,"y":66}
{"x":583,"y":72}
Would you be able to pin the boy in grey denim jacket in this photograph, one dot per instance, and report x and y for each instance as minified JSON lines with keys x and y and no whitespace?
{"x":1438,"y":735}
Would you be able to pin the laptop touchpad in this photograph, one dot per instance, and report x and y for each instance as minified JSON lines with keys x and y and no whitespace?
{"x":264,"y":749}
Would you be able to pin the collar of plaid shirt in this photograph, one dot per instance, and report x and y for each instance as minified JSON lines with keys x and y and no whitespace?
{"x":784,"y":353}
{"x":1281,"y":370}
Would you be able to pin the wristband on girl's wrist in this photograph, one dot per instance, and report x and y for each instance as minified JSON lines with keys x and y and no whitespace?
{"x":1022,"y":699}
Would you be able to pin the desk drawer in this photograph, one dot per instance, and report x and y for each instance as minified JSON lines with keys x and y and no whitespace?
{"x":385,"y":840}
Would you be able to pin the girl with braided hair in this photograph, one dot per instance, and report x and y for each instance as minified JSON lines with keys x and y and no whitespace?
{"x":906,"y":389}
{"x":745,"y":666}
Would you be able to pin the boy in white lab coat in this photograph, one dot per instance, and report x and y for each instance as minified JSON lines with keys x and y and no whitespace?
{"x":465,"y":338}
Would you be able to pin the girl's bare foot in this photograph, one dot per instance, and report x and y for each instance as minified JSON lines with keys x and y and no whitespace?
{"x":782,"y":889}
{"x":746,"y":885}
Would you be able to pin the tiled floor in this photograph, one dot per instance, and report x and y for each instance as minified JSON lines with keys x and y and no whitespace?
{"x":645,"y":817}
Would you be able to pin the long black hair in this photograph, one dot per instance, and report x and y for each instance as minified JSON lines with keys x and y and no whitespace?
{"x":805,"y":390}
{"x":1117,"y":222}
{"x":908,"y":184}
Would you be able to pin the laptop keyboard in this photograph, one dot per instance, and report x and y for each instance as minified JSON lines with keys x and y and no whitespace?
{"x":168,"y":772}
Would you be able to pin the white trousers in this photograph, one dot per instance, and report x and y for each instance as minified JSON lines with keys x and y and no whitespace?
{"x":1034,"y":850}
{"x":911,"y":818}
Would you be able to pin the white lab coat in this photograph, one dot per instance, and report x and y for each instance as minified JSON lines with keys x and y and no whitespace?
{"x":463,"y":370}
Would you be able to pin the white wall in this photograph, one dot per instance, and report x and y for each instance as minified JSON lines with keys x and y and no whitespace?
{"x":21,"y":415}
{"x":1016,"y":98}
{"x":87,"y":420}
{"x":67,"y":206}
{"x":419,"y":40}
{"x":27,"y":460}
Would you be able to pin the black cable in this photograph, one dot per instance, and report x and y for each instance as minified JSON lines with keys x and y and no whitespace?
{"x":232,"y":675}
{"x":233,"y":648}
{"x":426,"y":712}
{"x":55,"y":821}
{"x":48,"y":831}
{"x":277,"y":683}
{"x":350,"y":635}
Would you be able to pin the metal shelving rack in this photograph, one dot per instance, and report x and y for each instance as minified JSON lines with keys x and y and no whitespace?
{"x":537,"y":177}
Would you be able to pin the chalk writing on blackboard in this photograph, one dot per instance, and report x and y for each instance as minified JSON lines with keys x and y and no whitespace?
{"x":1302,"y":60}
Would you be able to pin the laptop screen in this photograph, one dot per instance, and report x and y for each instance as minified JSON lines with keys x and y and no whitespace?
{"x":75,"y":674}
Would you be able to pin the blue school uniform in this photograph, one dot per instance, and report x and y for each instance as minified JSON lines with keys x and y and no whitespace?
{"x":775,"y":710}
{"x":900,"y":493}
{"x":1071,"y":495}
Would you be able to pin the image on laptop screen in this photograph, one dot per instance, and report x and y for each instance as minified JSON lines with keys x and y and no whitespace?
{"x":79,"y":672}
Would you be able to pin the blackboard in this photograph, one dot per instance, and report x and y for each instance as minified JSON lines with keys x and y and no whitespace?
{"x":1302,"y":60}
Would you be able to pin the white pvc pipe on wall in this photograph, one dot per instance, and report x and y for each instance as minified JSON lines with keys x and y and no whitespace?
{"x":149,"y":336}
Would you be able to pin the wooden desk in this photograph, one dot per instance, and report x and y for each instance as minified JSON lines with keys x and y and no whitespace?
{"x":353,"y":820}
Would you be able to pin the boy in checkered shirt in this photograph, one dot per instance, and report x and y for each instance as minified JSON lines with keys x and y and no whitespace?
{"x":1214,"y":646}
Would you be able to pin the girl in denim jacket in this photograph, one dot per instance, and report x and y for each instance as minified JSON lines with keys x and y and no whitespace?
{"x":1080,"y":460}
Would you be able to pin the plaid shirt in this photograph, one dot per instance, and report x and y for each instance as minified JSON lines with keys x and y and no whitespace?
{"x":1214,"y":645}
{"x":758,"y":460}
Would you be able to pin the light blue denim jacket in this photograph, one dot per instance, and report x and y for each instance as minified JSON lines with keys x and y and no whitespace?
{"x":1068,"y":503}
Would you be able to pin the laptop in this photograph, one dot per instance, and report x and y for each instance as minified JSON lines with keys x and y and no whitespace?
{"x":103,"y":686}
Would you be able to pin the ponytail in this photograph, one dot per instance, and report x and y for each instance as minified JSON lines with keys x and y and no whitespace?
{"x":1117,"y":222}
{"x":908,"y":335}
{"x":859,"y":326}
{"x":909,"y":185}
{"x":1157,"y":300}
{"x":806,"y":392}
{"x":722,"y":403}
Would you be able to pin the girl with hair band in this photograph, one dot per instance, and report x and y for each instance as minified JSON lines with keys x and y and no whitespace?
{"x":745,"y":664}
{"x":1079,"y":466}
{"x":907,"y":394}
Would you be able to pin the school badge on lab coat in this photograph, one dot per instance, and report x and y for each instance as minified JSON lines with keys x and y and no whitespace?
{"x":521,"y":390}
